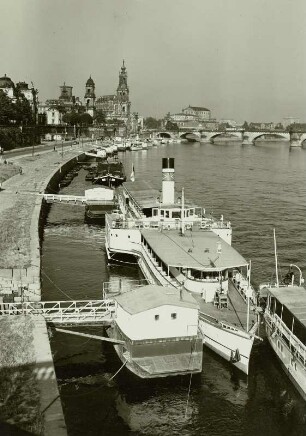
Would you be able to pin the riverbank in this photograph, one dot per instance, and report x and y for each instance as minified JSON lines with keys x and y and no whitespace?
{"x":26,"y":179}
{"x":29,"y":396}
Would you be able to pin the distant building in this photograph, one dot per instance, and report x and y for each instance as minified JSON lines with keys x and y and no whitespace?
{"x":262,"y":126}
{"x":52,"y":111}
{"x":9,"y":89}
{"x":198,"y":112}
{"x":116,"y":105}
{"x":7,"y":86}
{"x":290,"y":120}
{"x":192,"y":117}
{"x":90,"y":96}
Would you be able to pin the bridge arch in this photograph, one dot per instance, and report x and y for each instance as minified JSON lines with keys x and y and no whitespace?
{"x":167,"y":135}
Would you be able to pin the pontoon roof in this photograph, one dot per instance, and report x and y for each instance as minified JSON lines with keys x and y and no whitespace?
{"x":196,"y":249}
{"x":294,"y":298}
{"x":152,"y":296}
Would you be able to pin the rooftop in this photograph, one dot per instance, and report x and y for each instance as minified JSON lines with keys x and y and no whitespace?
{"x":195,"y":249}
{"x":152,"y":296}
{"x":294,"y":298}
{"x":197,"y":108}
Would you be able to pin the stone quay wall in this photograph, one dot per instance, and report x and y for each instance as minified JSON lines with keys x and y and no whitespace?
{"x":21,"y":219}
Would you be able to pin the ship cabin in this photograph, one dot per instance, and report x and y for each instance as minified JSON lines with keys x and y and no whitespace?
{"x":153,"y":312}
{"x":145,"y":203}
{"x":286,"y":310}
{"x":201,"y":261}
{"x":159,"y":327}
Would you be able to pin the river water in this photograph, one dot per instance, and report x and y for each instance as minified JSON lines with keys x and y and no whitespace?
{"x":257,"y":188}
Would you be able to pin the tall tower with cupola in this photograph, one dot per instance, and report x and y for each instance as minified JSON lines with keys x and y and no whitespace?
{"x":90,"y":96}
{"x":123,"y":99}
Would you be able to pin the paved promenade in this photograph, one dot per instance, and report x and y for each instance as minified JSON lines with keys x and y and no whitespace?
{"x":20,"y":204}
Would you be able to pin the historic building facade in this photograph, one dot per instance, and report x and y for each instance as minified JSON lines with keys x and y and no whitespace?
{"x":116,"y":105}
{"x":9,"y":88}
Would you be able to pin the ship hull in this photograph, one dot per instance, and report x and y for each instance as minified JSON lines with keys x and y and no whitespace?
{"x":159,"y":358}
{"x":231,"y":344}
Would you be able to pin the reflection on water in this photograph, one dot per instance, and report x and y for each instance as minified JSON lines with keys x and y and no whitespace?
{"x":256,"y":188}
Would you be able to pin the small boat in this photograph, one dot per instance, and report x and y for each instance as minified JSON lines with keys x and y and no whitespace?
{"x":159,"y":332}
{"x":97,"y":153}
{"x":136,"y":146}
{"x":285,"y":320}
{"x":98,"y":202}
{"x":110,"y":173}
{"x":178,"y":244}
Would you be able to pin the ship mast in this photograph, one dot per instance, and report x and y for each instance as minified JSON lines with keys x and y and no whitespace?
{"x":275,"y":255}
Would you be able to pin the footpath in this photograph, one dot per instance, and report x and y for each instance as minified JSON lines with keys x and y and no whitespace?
{"x":29,"y":393}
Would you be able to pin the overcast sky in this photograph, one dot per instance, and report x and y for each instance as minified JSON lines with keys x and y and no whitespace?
{"x":243,"y":59}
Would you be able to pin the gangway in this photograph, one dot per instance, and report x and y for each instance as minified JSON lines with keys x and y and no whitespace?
{"x":77,"y":312}
{"x":79,"y":200}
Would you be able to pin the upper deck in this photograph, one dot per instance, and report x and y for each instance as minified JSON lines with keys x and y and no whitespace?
{"x":203,"y":251}
{"x":293,"y":298}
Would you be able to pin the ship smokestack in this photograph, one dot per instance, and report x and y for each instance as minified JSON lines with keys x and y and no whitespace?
{"x":168,"y":180}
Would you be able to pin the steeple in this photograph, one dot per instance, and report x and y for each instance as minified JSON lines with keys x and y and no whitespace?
{"x":123,"y":89}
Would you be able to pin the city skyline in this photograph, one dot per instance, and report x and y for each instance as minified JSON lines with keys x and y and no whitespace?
{"x":243,"y":60}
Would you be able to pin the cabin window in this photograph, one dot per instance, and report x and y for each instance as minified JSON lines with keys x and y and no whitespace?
{"x":155,"y":212}
{"x":176,"y":214}
{"x":156,"y":317}
{"x":167,"y":214}
{"x":173,"y":315}
{"x":191,"y":212}
{"x":162,"y":212}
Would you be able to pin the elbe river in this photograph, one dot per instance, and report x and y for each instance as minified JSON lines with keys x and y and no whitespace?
{"x":257,"y":188}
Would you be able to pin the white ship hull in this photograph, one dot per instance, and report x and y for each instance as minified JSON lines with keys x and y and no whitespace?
{"x":231,"y":344}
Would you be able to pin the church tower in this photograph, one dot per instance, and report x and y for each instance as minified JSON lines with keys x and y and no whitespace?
{"x":90,"y":96}
{"x":123,"y":93}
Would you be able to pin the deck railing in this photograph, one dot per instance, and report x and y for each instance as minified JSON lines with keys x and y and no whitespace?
{"x":295,"y":345}
{"x":151,"y":223}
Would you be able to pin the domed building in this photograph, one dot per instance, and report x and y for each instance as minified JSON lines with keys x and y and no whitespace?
{"x":7,"y":86}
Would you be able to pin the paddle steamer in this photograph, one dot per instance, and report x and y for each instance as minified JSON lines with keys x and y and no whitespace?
{"x":177,"y":244}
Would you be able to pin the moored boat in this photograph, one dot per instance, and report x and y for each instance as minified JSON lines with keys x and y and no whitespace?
{"x":110,"y":173}
{"x":176,"y":243}
{"x":285,"y":321}
{"x":159,"y":330}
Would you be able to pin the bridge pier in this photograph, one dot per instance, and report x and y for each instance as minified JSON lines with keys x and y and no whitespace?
{"x":297,"y":139}
{"x":247,"y":141}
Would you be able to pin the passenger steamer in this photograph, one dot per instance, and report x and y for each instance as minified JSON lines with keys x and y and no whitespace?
{"x":179,"y":245}
{"x":285,"y":319}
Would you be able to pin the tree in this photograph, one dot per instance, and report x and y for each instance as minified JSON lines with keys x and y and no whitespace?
{"x":171,"y":126}
{"x":152,"y":123}
{"x":99,"y":117}
{"x":85,"y":119}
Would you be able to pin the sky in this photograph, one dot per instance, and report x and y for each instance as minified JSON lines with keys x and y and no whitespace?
{"x":242,"y":59}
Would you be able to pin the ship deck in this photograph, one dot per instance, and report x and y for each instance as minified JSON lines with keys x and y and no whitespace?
{"x":236,"y":312}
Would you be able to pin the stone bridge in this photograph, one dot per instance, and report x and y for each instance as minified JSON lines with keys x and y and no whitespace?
{"x":247,"y":137}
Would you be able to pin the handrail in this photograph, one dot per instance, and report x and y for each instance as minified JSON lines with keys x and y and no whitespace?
{"x":284,"y":330}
